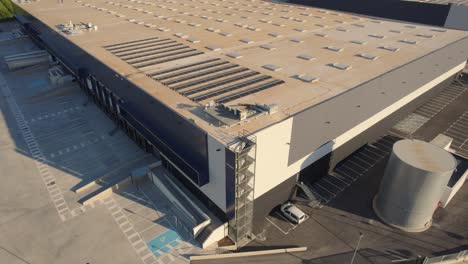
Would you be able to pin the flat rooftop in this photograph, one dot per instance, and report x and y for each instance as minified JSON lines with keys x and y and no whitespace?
{"x":194,"y":54}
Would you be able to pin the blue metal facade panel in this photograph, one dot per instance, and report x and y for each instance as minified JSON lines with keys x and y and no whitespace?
{"x":230,"y":183}
{"x":179,"y":138}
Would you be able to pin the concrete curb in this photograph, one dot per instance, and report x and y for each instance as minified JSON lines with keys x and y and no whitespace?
{"x":249,"y":254}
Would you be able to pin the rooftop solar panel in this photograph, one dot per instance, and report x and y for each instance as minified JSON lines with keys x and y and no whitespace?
{"x":165,"y":77}
{"x":128,"y":42}
{"x":145,"y":45}
{"x":133,"y":45}
{"x":164,"y":55}
{"x":128,"y":53}
{"x":230,"y":88}
{"x":200,"y":74}
{"x":182,"y":67}
{"x":219,"y":83}
{"x":145,"y":54}
{"x":195,"y":53}
{"x":249,"y":91}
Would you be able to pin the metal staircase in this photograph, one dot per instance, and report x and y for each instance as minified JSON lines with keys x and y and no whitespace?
{"x":240,"y":227}
{"x":314,"y":200}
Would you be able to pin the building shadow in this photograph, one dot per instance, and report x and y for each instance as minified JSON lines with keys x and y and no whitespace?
{"x":410,"y":11}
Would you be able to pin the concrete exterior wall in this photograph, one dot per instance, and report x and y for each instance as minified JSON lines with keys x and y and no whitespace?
{"x":332,"y":119}
{"x":449,"y":192}
{"x":274,"y":143}
{"x":457,"y":17}
{"x":215,"y":189}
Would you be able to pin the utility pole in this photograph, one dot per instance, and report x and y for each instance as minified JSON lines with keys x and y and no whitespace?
{"x":361,"y":235}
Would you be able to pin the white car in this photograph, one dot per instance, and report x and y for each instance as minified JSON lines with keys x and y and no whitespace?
{"x":293,"y":213}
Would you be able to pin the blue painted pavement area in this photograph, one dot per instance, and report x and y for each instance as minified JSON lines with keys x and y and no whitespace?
{"x":160,"y":242}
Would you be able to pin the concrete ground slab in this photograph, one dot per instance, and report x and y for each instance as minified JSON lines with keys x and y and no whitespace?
{"x":41,"y":237}
{"x":66,"y":140}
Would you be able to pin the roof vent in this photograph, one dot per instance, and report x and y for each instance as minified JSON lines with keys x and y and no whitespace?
{"x":253,"y":28}
{"x":213,"y":48}
{"x":299,"y":20}
{"x":307,"y":78}
{"x":425,"y":35}
{"x":163,"y":29}
{"x":193,"y":40}
{"x":300,"y":30}
{"x":340,"y":66}
{"x":246,"y":40}
{"x":234,"y":55}
{"x":377,"y":36}
{"x":272,"y":67}
{"x":368,"y":56}
{"x":333,"y":48}
{"x":226,"y":34}
{"x":321,"y":25}
{"x":276,"y":35}
{"x":213,"y":29}
{"x":267,"y":47}
{"x":439,"y":30}
{"x":306,"y":57}
{"x":194,"y":24}
{"x":323,"y":35}
{"x":342,"y":29}
{"x":359,"y":42}
{"x":395,"y":31}
{"x":181,"y":35}
{"x":278,"y":24}
{"x":296,"y":40}
{"x":265,"y":21}
{"x":359,"y":25}
{"x":390,"y":48}
{"x":408,"y":41}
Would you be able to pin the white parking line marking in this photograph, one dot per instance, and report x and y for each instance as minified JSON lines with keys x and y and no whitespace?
{"x":285,"y":219}
{"x":130,"y":230}
{"x":49,"y":115}
{"x":31,"y":143}
{"x":284,"y":232}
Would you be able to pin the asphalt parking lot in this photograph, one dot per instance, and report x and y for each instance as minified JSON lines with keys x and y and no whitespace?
{"x":280,"y":222}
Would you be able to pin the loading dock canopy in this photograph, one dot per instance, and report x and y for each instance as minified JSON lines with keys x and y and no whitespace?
{"x":187,"y":210}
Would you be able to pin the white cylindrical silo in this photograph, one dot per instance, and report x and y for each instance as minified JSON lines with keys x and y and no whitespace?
{"x":414,"y":180}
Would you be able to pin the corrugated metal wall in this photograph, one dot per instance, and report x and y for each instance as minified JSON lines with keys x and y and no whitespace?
{"x":177,"y":137}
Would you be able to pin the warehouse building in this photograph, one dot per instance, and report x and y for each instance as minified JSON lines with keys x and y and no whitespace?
{"x":443,"y":13}
{"x":242,"y":99}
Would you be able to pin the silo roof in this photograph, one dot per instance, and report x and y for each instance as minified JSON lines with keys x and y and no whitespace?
{"x":424,"y":156}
